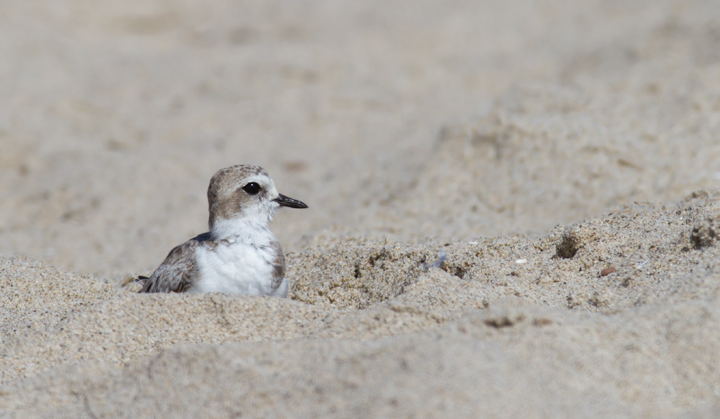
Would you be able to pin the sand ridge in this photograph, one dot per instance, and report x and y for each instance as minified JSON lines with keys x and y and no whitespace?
{"x":544,"y":296}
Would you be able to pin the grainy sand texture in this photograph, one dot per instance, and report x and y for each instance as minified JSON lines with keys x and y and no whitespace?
{"x":514,"y":207}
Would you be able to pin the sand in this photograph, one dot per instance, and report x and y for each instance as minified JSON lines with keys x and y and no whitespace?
{"x":514,"y":207}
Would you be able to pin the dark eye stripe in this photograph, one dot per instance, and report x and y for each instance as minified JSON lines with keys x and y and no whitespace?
{"x":252,"y":188}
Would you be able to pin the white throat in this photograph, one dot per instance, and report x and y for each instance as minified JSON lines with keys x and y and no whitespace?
{"x":244,"y":230}
{"x":249,"y":225}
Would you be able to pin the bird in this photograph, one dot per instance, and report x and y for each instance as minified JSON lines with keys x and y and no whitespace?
{"x":239,"y":254}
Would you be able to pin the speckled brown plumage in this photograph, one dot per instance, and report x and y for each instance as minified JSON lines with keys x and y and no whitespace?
{"x":178,"y":270}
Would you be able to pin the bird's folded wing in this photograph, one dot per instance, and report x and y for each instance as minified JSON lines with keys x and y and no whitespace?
{"x":178,"y":272}
{"x":278,"y":264}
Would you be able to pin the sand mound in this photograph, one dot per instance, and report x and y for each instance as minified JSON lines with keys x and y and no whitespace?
{"x":511,"y":360}
{"x":489,"y":324}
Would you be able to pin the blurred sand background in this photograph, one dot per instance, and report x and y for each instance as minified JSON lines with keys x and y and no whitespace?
{"x":534,"y":143}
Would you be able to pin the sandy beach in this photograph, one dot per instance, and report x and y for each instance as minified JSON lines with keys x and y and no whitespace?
{"x":514,"y":207}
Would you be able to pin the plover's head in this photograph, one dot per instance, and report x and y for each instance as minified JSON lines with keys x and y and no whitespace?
{"x":245,"y":193}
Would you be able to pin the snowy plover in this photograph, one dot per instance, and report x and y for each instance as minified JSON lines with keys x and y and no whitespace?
{"x":239,"y":254}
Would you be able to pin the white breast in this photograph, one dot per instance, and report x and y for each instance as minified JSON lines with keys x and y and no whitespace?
{"x":237,"y":268}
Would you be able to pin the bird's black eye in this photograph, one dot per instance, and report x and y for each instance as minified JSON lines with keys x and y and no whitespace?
{"x":252,"y":188}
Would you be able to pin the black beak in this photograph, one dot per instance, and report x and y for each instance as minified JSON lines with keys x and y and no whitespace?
{"x":285,"y":201}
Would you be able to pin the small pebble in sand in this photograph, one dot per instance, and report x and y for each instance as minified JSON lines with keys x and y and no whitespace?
{"x":607,"y":271}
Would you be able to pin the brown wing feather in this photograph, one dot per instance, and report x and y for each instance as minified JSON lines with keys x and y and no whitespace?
{"x":278,"y":264}
{"x":178,"y":271}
